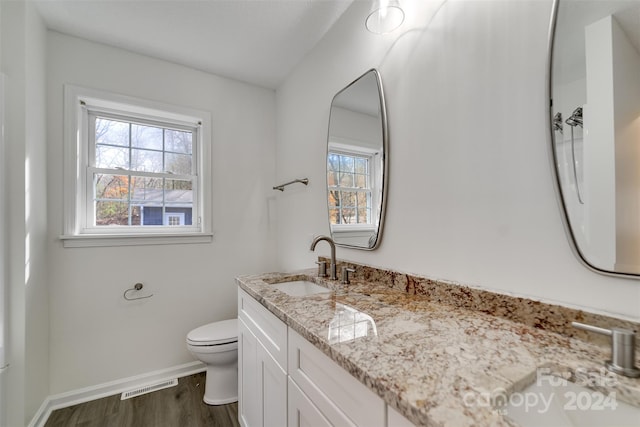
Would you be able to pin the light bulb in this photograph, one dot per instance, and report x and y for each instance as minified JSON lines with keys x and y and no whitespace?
{"x":385,"y":16}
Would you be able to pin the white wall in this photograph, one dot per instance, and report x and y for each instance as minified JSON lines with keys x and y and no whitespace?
{"x":4,"y":307}
{"x":471,"y":194}
{"x":361,"y":128}
{"x":23,"y":57}
{"x":13,"y":65}
{"x":35,"y":188}
{"x":599,"y":147}
{"x":626,"y":69}
{"x":95,"y":335}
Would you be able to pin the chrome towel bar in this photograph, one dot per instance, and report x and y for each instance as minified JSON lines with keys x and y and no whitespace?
{"x":280,"y":187}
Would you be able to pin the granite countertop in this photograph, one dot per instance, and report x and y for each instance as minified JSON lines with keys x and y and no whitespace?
{"x":437,"y":364}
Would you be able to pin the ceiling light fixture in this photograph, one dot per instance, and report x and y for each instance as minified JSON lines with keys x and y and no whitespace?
{"x":385,"y":16}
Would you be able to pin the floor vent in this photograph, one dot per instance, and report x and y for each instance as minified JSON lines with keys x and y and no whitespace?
{"x":148,"y":389}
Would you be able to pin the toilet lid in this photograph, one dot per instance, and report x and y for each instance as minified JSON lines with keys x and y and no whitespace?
{"x":223,"y":332}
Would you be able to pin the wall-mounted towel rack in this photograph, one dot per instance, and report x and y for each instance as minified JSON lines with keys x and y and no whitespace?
{"x":280,"y":187}
{"x":136,"y":287}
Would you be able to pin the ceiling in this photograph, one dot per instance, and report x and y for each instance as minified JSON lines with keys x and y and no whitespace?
{"x":256,"y":41}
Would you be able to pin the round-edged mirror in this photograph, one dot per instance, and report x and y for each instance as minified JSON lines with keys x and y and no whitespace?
{"x":595,"y":129}
{"x":357,"y":151}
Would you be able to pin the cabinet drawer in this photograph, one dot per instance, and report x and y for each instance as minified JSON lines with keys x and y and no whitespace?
{"x":268,"y":329}
{"x":329,"y":386}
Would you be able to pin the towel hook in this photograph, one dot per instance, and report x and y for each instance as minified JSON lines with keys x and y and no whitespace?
{"x":138,"y":286}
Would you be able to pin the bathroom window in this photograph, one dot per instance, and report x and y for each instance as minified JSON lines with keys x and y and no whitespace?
{"x":350,"y":187}
{"x":135,"y":171}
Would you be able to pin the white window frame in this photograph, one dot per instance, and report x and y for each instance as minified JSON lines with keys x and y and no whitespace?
{"x":347,"y":147}
{"x":79,"y":230}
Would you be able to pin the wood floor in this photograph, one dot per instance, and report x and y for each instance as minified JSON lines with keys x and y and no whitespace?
{"x":179,"y":406}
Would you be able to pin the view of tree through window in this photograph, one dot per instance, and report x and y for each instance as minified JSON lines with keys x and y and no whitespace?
{"x":349,"y":181}
{"x":141,"y":172}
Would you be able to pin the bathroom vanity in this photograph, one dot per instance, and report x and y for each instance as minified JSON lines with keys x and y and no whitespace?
{"x":284,"y":377}
{"x":392,"y":349}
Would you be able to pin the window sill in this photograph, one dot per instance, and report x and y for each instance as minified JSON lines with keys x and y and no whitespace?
{"x":351,"y":228}
{"x":104,"y":240}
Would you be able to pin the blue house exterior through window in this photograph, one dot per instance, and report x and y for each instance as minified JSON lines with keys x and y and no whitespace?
{"x":177,"y":207}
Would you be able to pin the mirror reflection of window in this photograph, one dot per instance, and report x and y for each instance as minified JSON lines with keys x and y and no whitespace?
{"x":350,"y":187}
{"x":349,"y":324}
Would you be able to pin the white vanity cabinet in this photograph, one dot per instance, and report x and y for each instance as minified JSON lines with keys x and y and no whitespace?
{"x":342,"y":399}
{"x":285,"y":381}
{"x":262,"y":362}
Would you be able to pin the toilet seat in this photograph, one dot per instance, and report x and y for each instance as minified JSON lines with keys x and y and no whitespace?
{"x":216,"y":333}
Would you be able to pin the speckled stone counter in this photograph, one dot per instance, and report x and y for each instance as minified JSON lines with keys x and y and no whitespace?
{"x":439,"y":362}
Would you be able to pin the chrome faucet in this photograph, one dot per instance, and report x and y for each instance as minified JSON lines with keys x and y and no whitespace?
{"x":623,"y":349}
{"x":334,"y":272}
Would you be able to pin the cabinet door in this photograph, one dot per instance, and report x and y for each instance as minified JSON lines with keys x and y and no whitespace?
{"x":342,"y":399}
{"x":274,"y":390}
{"x":301,"y":412}
{"x":396,"y":419}
{"x":262,"y":384}
{"x":249,"y":387}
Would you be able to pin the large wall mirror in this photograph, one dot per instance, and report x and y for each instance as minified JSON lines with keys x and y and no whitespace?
{"x":357,"y":151}
{"x":595,"y":126}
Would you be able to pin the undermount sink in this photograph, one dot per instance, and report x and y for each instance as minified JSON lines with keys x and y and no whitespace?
{"x":300,"y":288}
{"x":569,"y":405}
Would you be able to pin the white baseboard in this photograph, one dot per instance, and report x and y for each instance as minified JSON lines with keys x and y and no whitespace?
{"x":99,"y":391}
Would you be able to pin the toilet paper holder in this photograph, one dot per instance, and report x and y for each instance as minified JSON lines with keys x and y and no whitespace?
{"x":138,"y":286}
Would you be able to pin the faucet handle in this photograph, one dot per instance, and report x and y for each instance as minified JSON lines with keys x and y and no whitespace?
{"x":345,"y":274}
{"x":591,"y":328}
{"x":623,"y":349}
{"x":322,"y":268}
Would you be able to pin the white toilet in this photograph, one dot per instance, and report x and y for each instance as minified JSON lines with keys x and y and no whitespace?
{"x":216,"y":344}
